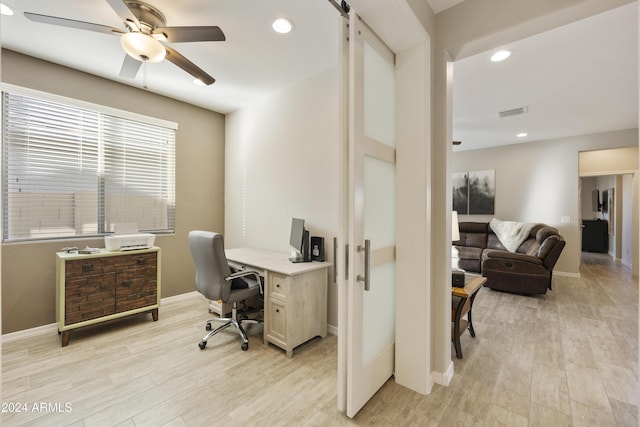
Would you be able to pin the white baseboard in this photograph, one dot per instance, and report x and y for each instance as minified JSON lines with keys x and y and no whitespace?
{"x":29,"y":333}
{"x":566,"y":274}
{"x":333,"y":330}
{"x":443,"y":378}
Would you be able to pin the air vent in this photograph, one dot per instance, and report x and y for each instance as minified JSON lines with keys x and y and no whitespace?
{"x":513,"y":111}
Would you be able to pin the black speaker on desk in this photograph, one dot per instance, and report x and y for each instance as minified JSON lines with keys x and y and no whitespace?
{"x":457,"y":278}
{"x":317,"y":248}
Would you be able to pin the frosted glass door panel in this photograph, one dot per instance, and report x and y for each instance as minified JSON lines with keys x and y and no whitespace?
{"x":379,"y":326}
{"x":379,"y":98}
{"x":379,"y":202}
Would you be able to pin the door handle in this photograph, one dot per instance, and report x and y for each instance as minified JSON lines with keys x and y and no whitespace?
{"x":335,"y":260}
{"x":367,"y":264}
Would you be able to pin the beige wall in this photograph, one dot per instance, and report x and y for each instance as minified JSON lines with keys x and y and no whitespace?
{"x":28,"y":269}
{"x":608,"y":162}
{"x":538,"y":182}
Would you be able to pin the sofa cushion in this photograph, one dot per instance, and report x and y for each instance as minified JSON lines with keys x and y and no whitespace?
{"x":473,"y":234}
{"x":469,"y":252}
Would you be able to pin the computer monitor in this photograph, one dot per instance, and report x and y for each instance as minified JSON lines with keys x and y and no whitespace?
{"x":299,"y":240}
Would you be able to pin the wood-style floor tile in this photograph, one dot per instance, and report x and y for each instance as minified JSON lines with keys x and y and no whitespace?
{"x":567,"y":358}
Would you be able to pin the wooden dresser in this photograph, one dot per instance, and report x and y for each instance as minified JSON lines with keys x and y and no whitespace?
{"x":93,"y":288}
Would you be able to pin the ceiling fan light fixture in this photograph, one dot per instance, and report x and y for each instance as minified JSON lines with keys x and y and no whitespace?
{"x":161,"y":37}
{"x":500,"y":55}
{"x":5,"y":10}
{"x":282,"y":25}
{"x":143,"y":47}
{"x":199,"y":82}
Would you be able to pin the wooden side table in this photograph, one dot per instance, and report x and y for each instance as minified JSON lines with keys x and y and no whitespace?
{"x":461,"y":304}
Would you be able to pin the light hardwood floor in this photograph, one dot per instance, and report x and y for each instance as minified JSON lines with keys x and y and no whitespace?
{"x":569,"y":358}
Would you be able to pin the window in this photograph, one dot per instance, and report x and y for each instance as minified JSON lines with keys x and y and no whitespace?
{"x":72,"y":169}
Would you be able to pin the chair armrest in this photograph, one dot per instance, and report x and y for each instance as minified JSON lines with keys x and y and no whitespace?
{"x":244,"y":273}
{"x":498,"y":254}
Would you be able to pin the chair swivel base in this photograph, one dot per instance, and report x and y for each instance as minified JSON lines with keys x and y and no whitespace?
{"x":226,"y":322}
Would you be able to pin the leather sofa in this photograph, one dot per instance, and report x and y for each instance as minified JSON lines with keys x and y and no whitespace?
{"x":528,"y":270}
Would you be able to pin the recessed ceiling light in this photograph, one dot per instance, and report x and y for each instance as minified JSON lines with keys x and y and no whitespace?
{"x":500,"y":55}
{"x":5,"y":10}
{"x":522,"y":135}
{"x":282,"y":25}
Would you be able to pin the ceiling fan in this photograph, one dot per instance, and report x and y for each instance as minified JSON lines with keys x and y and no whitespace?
{"x":145,"y":29}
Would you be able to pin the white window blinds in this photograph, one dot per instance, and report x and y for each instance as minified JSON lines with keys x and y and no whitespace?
{"x":70,"y":171}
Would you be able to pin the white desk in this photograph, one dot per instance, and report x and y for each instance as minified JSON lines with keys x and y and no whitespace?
{"x":295,"y":296}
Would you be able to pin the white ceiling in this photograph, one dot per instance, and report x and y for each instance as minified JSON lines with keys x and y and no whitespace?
{"x":252,"y":62}
{"x":578,"y":79}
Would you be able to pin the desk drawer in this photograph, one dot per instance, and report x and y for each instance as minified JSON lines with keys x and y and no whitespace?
{"x":278,"y":286}
{"x":276,"y":329}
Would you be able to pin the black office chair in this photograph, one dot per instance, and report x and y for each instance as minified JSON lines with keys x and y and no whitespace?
{"x":216,"y":281}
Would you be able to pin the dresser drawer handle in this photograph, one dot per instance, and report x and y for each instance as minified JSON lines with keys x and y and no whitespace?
{"x":142,"y":261}
{"x":87,"y":267}
{"x":126,"y":283}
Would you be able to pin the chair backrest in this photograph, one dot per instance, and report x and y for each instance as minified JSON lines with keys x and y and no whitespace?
{"x":207,"y":251}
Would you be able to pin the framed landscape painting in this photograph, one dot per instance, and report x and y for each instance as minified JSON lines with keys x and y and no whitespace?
{"x":460,"y":182}
{"x":474,"y":193}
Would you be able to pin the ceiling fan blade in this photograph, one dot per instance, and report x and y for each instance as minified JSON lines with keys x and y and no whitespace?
{"x":81,"y":25}
{"x":192,"y":34}
{"x":122,"y":10}
{"x":188,"y":66}
{"x":130,"y":67}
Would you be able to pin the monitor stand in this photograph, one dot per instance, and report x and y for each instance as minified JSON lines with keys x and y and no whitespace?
{"x":306,"y":255}
{"x":297,"y":260}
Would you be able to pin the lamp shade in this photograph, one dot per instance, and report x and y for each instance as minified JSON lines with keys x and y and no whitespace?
{"x":455,"y":230}
{"x":142,"y":47}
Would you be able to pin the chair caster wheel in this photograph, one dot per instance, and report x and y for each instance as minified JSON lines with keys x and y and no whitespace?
{"x":202,"y":345}
{"x":245,"y":346}
{"x":207,"y":326}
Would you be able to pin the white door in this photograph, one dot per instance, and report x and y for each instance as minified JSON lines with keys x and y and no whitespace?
{"x":372,"y":216}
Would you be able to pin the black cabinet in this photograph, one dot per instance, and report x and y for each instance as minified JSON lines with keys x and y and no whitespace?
{"x":595,"y":236}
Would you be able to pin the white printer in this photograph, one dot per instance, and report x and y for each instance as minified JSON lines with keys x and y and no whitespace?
{"x":127,"y":238}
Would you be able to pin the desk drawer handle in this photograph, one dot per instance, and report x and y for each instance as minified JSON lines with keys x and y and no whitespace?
{"x":87,"y":267}
{"x":142,"y":261}
{"x":126,"y":283}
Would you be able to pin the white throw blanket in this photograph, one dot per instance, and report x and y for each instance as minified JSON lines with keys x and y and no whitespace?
{"x":510,"y":233}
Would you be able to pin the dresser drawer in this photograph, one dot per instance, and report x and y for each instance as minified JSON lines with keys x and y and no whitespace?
{"x":87,"y":267}
{"x":135,"y":288}
{"x":89,"y":297}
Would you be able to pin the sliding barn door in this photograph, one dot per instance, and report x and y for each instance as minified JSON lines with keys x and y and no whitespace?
{"x":372,"y":218}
